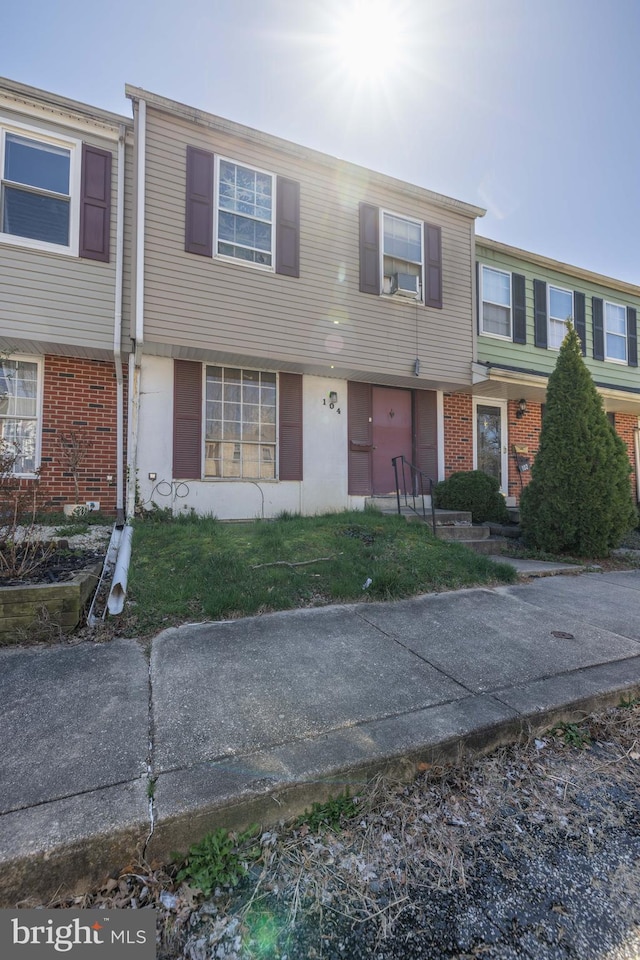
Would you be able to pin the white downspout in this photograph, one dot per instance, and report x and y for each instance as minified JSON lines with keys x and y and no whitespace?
{"x":117,"y":332}
{"x":134,"y":371}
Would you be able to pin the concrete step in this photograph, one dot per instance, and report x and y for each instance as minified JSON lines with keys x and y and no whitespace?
{"x":463,"y":531}
{"x":492,"y":545}
{"x":510,"y":530}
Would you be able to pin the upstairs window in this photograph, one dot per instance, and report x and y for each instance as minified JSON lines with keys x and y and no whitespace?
{"x":402,"y":255}
{"x":496,"y":303}
{"x":615,"y":332}
{"x":560,"y":310}
{"x":245,"y":213}
{"x":19,"y":413}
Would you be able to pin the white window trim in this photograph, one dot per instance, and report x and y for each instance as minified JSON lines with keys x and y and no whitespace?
{"x":75,"y":148}
{"x":203,"y":450}
{"x":554,"y":286}
{"x":268,"y":268}
{"x":17,"y":357}
{"x":486,"y":333}
{"x":609,"y":359}
{"x":420,"y":223}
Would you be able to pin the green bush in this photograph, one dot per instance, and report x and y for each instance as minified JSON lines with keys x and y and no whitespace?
{"x":578,"y":501}
{"x":472,"y":491}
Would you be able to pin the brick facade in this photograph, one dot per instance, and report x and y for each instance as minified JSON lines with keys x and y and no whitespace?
{"x":79,"y":396}
{"x":626,"y":424}
{"x":522,"y":432}
{"x":458,"y":433}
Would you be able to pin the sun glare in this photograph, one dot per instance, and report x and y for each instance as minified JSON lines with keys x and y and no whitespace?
{"x":367,"y":42}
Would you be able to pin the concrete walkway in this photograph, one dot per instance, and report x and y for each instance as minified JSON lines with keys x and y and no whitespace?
{"x":255,"y":719}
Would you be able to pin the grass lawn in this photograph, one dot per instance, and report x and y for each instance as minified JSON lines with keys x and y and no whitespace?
{"x":191,"y":569}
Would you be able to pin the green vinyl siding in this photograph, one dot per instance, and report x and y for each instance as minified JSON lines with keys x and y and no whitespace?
{"x":526,"y":356}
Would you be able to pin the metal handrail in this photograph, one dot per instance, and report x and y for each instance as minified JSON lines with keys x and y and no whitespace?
{"x":417,"y":480}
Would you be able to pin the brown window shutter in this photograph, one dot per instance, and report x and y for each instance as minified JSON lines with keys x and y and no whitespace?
{"x":426,"y":433}
{"x":433,"y":265}
{"x":95,"y":203}
{"x":290,"y":426}
{"x":199,"y":203}
{"x":360,"y":439}
{"x":369,"y":249}
{"x":288,"y":227}
{"x":187,"y":420}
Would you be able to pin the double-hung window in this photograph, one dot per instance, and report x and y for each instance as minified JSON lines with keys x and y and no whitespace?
{"x":496,"y":314}
{"x":560,"y":310}
{"x":39,"y":192}
{"x":615,"y":332}
{"x":19,"y":413}
{"x":240,"y":432}
{"x":402,"y":255}
{"x":245,"y":213}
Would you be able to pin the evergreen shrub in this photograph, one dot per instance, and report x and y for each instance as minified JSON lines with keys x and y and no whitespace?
{"x":473,"y":491}
{"x":578,"y":500}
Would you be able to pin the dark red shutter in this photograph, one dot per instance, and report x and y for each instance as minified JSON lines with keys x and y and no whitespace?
{"x":290,"y":426}
{"x":433,"y":265}
{"x":540,"y":313}
{"x":199,"y":203}
{"x":369,"y":249}
{"x":579,"y":319}
{"x":95,"y":203}
{"x":598,"y":328}
{"x":360,"y":439}
{"x":288,"y":227}
{"x":632,"y":336}
{"x":519,"y":308}
{"x":187,"y":420}
{"x":426,"y":432}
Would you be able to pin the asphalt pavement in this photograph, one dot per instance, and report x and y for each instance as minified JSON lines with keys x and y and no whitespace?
{"x":110,"y":751}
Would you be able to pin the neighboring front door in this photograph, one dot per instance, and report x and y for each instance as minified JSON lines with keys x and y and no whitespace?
{"x":392,"y":435}
{"x":490,"y":440}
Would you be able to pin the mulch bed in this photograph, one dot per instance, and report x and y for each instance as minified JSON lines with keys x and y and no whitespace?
{"x":44,"y":563}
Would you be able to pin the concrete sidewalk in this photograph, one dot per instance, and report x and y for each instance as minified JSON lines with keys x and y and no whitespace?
{"x":253,"y":720}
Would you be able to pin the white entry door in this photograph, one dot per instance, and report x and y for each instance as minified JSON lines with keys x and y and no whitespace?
{"x":490,"y":441}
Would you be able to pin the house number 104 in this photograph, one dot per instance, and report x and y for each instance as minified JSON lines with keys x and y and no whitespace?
{"x":331,"y":405}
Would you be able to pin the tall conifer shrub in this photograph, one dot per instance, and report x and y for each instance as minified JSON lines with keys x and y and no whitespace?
{"x":579,"y":498}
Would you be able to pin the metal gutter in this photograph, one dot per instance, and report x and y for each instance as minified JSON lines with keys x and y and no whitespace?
{"x":117,"y":332}
{"x":140,"y":129}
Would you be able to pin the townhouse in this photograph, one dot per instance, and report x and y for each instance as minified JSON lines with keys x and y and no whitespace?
{"x":298,"y":320}
{"x":64,"y":249}
{"x":524,"y":301}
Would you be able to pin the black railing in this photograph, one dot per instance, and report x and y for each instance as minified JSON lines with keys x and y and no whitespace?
{"x":410,"y":485}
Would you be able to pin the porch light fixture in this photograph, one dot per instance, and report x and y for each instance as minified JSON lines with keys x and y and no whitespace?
{"x":522,"y":408}
{"x":333,"y":396}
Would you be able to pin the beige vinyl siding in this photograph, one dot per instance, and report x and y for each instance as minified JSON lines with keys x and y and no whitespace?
{"x":207,"y":304}
{"x":56,"y":299}
{"x":528,"y":356}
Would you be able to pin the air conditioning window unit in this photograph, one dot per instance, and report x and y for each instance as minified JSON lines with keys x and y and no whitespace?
{"x":405,"y":285}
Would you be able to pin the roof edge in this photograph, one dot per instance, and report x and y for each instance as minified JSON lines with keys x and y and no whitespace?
{"x":45,"y":98}
{"x":233,"y":128}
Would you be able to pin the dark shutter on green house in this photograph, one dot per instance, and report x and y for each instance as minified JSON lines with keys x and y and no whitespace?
{"x":426,"y":433}
{"x":540,"y":313}
{"x":95,"y":204}
{"x":199,"y":203}
{"x":519,"y":308}
{"x":187,"y":420}
{"x":579,"y":319}
{"x":288,"y":227}
{"x":598,"y":328}
{"x":632,"y":336}
{"x":369,"y":249}
{"x":360,"y":437}
{"x":433,"y":265}
{"x":290,"y":426}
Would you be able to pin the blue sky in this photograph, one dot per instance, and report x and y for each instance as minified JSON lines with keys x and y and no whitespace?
{"x":530,"y":108}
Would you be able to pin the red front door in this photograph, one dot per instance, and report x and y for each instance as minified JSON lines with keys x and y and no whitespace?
{"x":392,"y":435}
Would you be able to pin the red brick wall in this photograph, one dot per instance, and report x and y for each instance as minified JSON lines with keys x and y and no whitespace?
{"x":458,"y":433}
{"x":626,"y":424}
{"x":79,"y":395}
{"x":524,"y":432}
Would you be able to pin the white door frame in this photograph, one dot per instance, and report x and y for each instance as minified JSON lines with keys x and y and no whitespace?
{"x":504,"y":460}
